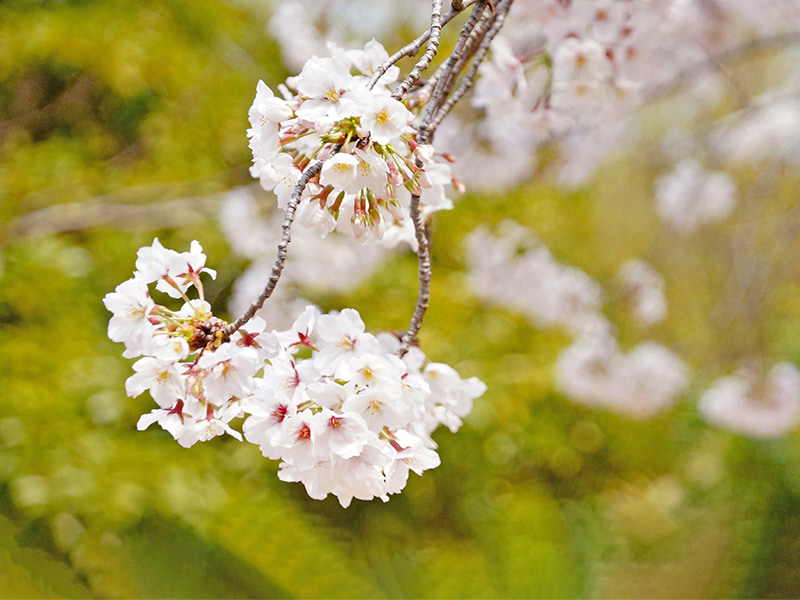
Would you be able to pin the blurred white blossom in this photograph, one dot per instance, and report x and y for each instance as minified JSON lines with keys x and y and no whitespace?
{"x":768,"y":130}
{"x":640,"y":384}
{"x":755,"y":405}
{"x":691,"y":197}
{"x":645,"y":288}
{"x":516,"y":271}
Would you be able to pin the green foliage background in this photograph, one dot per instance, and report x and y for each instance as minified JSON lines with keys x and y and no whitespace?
{"x":120,"y":121}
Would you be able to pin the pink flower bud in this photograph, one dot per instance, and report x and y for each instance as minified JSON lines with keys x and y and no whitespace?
{"x":459,"y":185}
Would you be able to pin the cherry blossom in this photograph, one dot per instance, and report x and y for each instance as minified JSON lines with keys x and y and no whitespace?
{"x":131,"y":304}
{"x":646,"y":290}
{"x":691,"y":197}
{"x":366,"y":139}
{"x":640,"y":384}
{"x":350,"y":419}
{"x":517,"y":271}
{"x":755,"y":405}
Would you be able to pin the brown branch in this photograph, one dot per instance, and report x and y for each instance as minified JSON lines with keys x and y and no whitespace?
{"x":473,"y":43}
{"x":424,"y":275}
{"x":471,"y":34}
{"x":468,"y":79}
{"x":434,"y":36}
{"x":283,"y":246}
{"x":412,"y":48}
{"x":115,"y":210}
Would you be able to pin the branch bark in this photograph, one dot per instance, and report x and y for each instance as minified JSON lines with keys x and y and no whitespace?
{"x":283,"y":246}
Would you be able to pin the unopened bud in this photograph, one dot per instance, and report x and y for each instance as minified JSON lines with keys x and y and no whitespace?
{"x":394,"y":174}
{"x":359,"y":225}
{"x":458,"y":185}
{"x":395,"y":209}
{"x":412,"y":186}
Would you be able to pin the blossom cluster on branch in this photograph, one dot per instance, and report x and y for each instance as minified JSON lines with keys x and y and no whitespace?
{"x":572,"y":73}
{"x":346,"y":412}
{"x":373,"y":163}
{"x":341,"y":408}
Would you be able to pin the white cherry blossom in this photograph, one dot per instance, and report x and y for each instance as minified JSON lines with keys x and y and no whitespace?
{"x":385,"y":119}
{"x":131,"y":306}
{"x":366,"y":139}
{"x":691,"y":197}
{"x":162,"y":378}
{"x":755,"y":405}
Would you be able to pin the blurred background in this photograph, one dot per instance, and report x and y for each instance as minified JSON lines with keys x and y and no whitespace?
{"x":123,"y":121}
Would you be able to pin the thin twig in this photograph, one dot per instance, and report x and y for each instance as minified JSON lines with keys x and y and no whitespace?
{"x":430,"y":51}
{"x":411,"y":49}
{"x":126,"y":209}
{"x":469,"y":78}
{"x":446,"y":74}
{"x":105,"y":211}
{"x":283,"y":245}
{"x":713,"y":61}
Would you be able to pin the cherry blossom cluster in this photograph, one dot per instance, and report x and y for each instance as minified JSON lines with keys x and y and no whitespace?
{"x":573,"y":72}
{"x":514,"y":270}
{"x":753,"y":403}
{"x":344,"y":411}
{"x":333,"y":112}
{"x":194,"y":376}
{"x":565,"y":71}
{"x":353,"y":418}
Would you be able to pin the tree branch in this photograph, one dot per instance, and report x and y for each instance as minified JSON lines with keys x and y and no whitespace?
{"x":413,"y":48}
{"x":474,"y":41}
{"x":424,"y":276}
{"x":466,"y":83}
{"x":430,"y":51}
{"x":470,"y":36}
{"x":713,"y":61}
{"x":283,"y":246}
